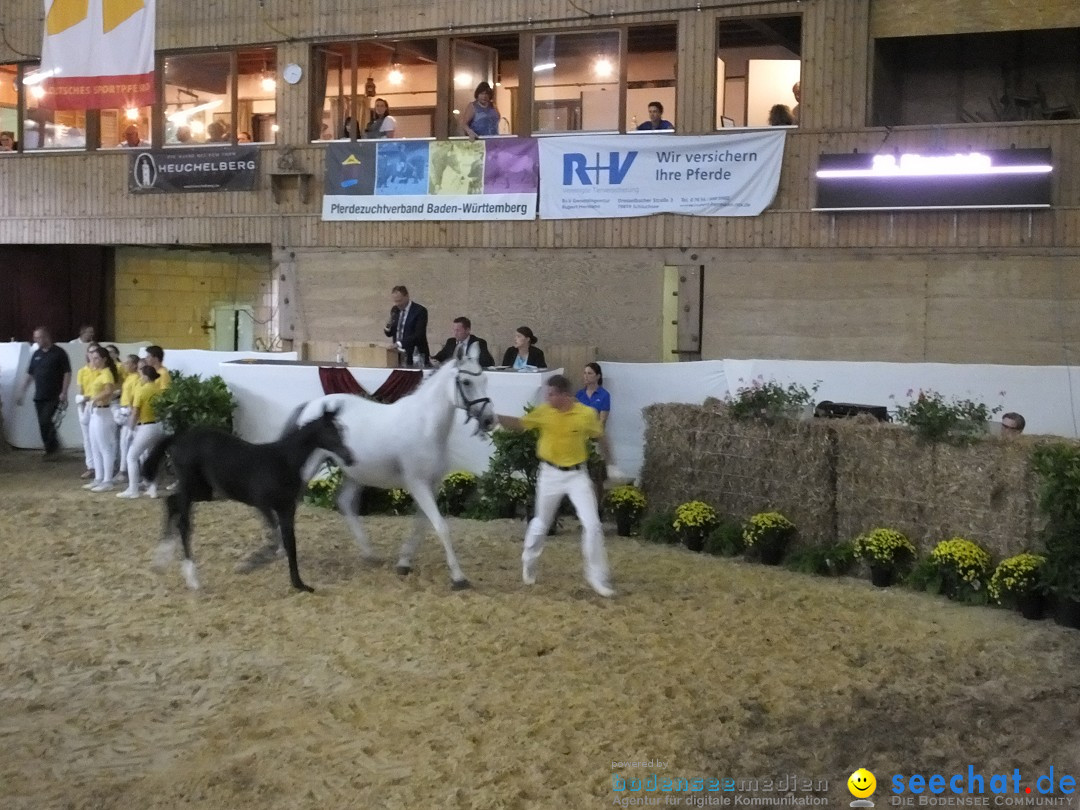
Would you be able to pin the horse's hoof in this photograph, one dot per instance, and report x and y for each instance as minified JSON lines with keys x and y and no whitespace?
{"x":404,"y":570}
{"x":460,"y":585}
{"x":300,"y":586}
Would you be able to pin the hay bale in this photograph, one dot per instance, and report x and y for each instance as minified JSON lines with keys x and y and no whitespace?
{"x":741,"y":467}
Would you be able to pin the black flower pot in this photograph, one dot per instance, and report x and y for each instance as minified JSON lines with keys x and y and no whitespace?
{"x":695,"y":541}
{"x":1031,"y":605}
{"x":624,"y":524}
{"x":1067,"y":613}
{"x":771,"y":554}
{"x":882,"y":575}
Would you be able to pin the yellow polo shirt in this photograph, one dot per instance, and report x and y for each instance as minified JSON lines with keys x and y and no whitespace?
{"x":98,"y":380}
{"x":164,"y":379}
{"x":564,"y":435}
{"x":127,"y":389}
{"x":143,"y":402}
{"x":82,"y":378}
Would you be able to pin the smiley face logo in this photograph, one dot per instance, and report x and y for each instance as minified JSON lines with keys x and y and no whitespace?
{"x":861,"y":783}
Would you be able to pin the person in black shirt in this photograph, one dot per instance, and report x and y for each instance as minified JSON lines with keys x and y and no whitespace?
{"x":50,"y":371}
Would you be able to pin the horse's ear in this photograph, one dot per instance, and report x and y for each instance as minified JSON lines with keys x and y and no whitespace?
{"x":332,"y":410}
{"x":473,"y":352}
{"x":459,"y":353}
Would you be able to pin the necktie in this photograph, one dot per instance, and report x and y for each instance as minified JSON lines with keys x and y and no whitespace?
{"x":401,"y":324}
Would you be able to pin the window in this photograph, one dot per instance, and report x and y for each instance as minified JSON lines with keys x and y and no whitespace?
{"x":9,"y":107}
{"x":1004,"y":76}
{"x":757,"y":68}
{"x":650,"y":73}
{"x":350,"y":76}
{"x":220,"y":97}
{"x":576,"y":81}
{"x":44,"y":128}
{"x":483,"y":59}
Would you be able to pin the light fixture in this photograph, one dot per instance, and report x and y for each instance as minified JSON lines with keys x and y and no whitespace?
{"x":181,"y":116}
{"x":602,"y":67}
{"x":543,"y":66}
{"x":38,"y":76}
{"x":369,"y":87}
{"x":37,"y":91}
{"x":269,"y":83}
{"x":197,"y":127}
{"x":463,"y":79}
{"x":274,"y":128}
{"x":132,"y":113}
{"x":395,"y":76}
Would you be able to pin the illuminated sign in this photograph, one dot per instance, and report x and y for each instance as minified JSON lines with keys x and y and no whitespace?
{"x":1006,"y":178}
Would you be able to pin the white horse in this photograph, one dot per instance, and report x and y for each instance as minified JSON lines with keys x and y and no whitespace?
{"x":405,"y":444}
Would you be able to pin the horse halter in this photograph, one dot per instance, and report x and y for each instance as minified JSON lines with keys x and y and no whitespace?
{"x":469,"y":403}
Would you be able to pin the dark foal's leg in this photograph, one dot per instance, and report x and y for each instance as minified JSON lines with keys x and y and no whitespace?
{"x":166,"y":549}
{"x":287,"y":521}
{"x":183,"y":503}
{"x":269,"y":551}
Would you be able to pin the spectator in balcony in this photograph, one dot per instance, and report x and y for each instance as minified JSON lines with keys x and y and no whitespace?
{"x":382,"y":124}
{"x":481,"y":118}
{"x":7,"y":141}
{"x":132,"y":138}
{"x":656,"y":118}
{"x":243,"y":137}
{"x":780,"y":116}
{"x":217,"y":132}
{"x":183,"y":134}
{"x":796,"y":90}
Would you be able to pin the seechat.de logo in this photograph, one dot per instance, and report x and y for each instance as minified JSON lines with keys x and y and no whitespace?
{"x":862,"y":784}
{"x":576,"y":168}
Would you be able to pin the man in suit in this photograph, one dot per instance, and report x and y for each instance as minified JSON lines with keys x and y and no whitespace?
{"x":407,"y":326}
{"x":463,"y":336}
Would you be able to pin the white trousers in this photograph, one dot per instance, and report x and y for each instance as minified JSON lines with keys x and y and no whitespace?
{"x":142,"y":439}
{"x":87,"y":441}
{"x":126,"y":435}
{"x":551,"y":485}
{"x":103,"y":444}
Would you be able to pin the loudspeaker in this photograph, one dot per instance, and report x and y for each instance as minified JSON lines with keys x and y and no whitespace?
{"x":839,"y":410}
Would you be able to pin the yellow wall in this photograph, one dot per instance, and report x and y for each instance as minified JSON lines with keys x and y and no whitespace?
{"x":166,"y":295}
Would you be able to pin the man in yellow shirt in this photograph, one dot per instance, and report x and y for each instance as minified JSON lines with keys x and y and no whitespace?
{"x":565,"y":426}
{"x":155,"y":357}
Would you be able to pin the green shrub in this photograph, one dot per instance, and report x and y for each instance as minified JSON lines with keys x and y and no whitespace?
{"x":726,"y":540}
{"x":323,"y":490}
{"x":659,"y":528}
{"x":826,"y":561}
{"x":457,"y":490}
{"x":191,"y":401}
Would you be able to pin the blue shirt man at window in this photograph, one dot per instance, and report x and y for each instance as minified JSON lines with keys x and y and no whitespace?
{"x":656,"y":118}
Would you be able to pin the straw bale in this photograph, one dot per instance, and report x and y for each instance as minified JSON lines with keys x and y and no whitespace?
{"x":740,"y":467}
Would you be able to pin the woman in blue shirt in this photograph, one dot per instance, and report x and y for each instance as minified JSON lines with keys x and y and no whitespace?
{"x":594,"y":394}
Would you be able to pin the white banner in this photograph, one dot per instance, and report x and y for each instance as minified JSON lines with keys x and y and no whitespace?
{"x":389,"y":207}
{"x":97,"y":54}
{"x":724,"y":175}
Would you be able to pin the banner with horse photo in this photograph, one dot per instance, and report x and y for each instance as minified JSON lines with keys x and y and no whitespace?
{"x":97,"y":54}
{"x":725,"y":175}
{"x":386,"y":180}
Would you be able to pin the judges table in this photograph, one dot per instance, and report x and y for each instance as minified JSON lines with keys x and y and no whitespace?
{"x":268,"y":391}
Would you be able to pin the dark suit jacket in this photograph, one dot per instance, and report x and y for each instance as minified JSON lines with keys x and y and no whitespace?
{"x":447,"y":351}
{"x":536,"y":357}
{"x":415,"y":334}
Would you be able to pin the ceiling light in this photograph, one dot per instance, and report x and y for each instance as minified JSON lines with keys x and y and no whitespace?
{"x":602,"y":67}
{"x":39,"y":76}
{"x":269,"y":84}
{"x":37,"y":91}
{"x":463,"y":79}
{"x":544,"y":66}
{"x":181,"y":116}
{"x":395,"y":75}
{"x":132,"y":113}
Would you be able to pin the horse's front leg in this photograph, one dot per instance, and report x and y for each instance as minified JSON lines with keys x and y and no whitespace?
{"x":287,"y":521}
{"x":170,"y":537}
{"x":348,"y":502}
{"x":425,"y":500}
{"x":412,"y":543}
{"x":269,"y":550}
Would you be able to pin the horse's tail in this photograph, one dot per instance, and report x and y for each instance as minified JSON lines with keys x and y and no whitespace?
{"x":157,"y":453}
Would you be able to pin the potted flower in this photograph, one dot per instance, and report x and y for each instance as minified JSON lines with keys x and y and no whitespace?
{"x":963,"y":567}
{"x":627,"y":503}
{"x":456,"y":490}
{"x":323,"y":490}
{"x":884,"y":550}
{"x":936,"y":419}
{"x":1019,"y":580}
{"x":693,"y":522}
{"x":767,"y":534}
{"x":769,"y":400}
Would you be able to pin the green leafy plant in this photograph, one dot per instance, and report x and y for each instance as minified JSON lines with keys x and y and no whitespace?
{"x":498,"y":496}
{"x":1017,"y":577}
{"x":937,"y":419}
{"x":725,"y":540}
{"x":884,"y":547}
{"x":769,"y":400}
{"x":457,"y":489}
{"x":626,"y":500}
{"x":659,"y":527}
{"x":323,"y":490}
{"x":964,"y":568}
{"x":824,"y":561}
{"x":1058,"y":465}
{"x":190,"y":400}
{"x":693,"y":521}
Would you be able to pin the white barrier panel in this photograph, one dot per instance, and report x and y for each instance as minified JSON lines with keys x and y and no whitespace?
{"x":268,"y":393}
{"x":1047,"y":396}
{"x":20,"y":423}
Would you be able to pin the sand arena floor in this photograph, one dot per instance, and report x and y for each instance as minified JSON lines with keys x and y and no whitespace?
{"x":119,"y":688}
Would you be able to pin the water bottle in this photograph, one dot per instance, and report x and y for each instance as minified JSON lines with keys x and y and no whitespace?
{"x":340,"y":353}
{"x":417,"y":358}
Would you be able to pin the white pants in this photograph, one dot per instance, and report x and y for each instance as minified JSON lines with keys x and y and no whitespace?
{"x":87,"y":441}
{"x":126,"y":435}
{"x":103,"y":444}
{"x":142,"y":439}
{"x":551,"y":485}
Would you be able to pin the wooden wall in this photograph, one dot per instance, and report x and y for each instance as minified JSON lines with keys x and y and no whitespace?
{"x":907,"y":18}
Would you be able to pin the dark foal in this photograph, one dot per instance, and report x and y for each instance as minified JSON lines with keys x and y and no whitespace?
{"x":212,"y":464}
